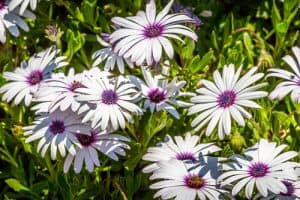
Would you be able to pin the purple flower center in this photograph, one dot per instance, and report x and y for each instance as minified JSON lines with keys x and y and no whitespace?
{"x":109,"y":97}
{"x":194,"y":181}
{"x":226,"y":99}
{"x":258,"y":169}
{"x":3,"y":4}
{"x":35,"y":77}
{"x":185,"y":156}
{"x":153,"y":30}
{"x":290,"y":188}
{"x":74,"y":85}
{"x":157,"y":95}
{"x":57,"y":127}
{"x":86,"y":140}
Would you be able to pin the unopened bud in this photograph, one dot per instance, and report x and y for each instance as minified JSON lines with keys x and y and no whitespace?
{"x":53,"y":32}
{"x":237,"y":142}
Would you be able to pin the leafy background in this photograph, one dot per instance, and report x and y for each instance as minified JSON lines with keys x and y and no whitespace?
{"x":249,"y":33}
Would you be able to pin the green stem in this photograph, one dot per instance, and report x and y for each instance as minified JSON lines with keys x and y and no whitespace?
{"x":148,"y":138}
{"x":20,"y":115}
{"x":50,"y":11}
{"x":50,"y":168}
{"x":84,"y":58}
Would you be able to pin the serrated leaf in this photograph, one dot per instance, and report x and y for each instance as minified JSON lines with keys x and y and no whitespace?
{"x":75,"y":42}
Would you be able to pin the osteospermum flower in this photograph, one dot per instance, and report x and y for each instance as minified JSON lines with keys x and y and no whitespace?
{"x":57,"y":130}
{"x":23,"y":4}
{"x":109,"y":144}
{"x":10,"y":20}
{"x":25,"y":81}
{"x":144,"y":36}
{"x":59,"y":91}
{"x":262,"y":167}
{"x":182,"y":183}
{"x":113,"y":101}
{"x":293,"y":192}
{"x":159,"y":94}
{"x":177,"y":7}
{"x":184,"y":149}
{"x":111,"y":57}
{"x":225,"y":98}
{"x":292,"y":79}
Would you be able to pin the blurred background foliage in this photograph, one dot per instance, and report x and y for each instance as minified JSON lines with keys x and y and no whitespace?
{"x":248,"y":33}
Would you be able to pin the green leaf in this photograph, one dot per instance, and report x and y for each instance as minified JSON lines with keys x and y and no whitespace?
{"x":75,"y":41}
{"x":198,"y":65}
{"x":79,"y":15}
{"x":291,"y":15}
{"x":289,"y":5}
{"x":62,"y":182}
{"x":156,"y":122}
{"x":282,"y":27}
{"x":16,"y":185}
{"x":214,"y":40}
{"x":249,"y":45}
{"x":227,"y":28}
{"x":276,"y":18}
{"x":137,"y":4}
{"x":188,"y":49}
{"x":295,"y":138}
{"x":40,"y":186}
{"x":132,"y":183}
{"x":90,"y":11}
{"x":135,"y":156}
{"x":222,"y":61}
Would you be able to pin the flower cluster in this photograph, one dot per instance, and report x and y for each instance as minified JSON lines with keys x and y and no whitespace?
{"x":11,"y":13}
{"x":186,"y":170}
{"x":78,"y":114}
{"x":63,"y":105}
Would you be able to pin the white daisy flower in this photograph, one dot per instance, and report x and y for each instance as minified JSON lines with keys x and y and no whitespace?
{"x":111,"y":57}
{"x":113,"y":101}
{"x":23,"y":4}
{"x":292,"y":83}
{"x":10,"y":20}
{"x":159,"y":94}
{"x":109,"y":144}
{"x":25,"y":81}
{"x":263,"y":167}
{"x":293,"y":192}
{"x":225,"y":98}
{"x":183,"y":149}
{"x":57,"y":130}
{"x":144,"y":36}
{"x":182,"y":183}
{"x":59,"y":91}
